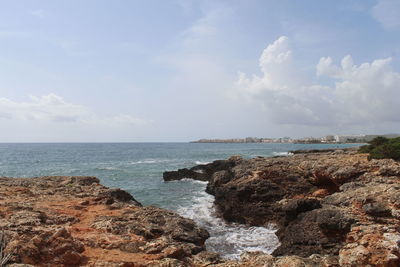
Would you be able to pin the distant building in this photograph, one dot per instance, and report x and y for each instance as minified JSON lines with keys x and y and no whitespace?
{"x":252,"y":140}
{"x":268,"y":140}
{"x":361,"y":138}
{"x":328,"y":139}
{"x":307,"y":140}
{"x":350,"y":138}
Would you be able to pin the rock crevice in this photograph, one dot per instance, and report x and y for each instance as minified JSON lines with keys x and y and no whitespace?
{"x":332,"y":203}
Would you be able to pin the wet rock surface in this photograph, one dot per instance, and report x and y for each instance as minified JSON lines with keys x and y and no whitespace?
{"x":75,"y":221}
{"x":332,"y":208}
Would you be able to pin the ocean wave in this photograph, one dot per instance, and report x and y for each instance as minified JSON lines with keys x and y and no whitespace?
{"x":198,"y":162}
{"x":148,"y":161}
{"x":194,"y":181}
{"x":190,"y":180}
{"x":282,"y":153}
{"x":228,"y":240}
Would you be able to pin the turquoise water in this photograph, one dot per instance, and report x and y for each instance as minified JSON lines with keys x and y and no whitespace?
{"x":138,"y":167}
{"x":135,"y":167}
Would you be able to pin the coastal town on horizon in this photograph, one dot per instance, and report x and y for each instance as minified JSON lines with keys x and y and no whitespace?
{"x":200,"y":133}
{"x":328,"y":139}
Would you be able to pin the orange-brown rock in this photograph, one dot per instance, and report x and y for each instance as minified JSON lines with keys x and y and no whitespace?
{"x":75,"y":221}
{"x":333,"y":208}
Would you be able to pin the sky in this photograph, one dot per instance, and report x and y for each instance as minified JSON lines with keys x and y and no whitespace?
{"x":181,"y":70}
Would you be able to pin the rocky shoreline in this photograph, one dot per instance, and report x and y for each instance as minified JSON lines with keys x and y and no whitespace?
{"x":332,"y":207}
{"x":75,"y":221}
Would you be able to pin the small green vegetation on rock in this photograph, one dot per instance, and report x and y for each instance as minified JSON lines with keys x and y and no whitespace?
{"x":382,"y":148}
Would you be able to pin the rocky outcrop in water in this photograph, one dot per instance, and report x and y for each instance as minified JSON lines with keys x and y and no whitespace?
{"x":75,"y":221}
{"x":332,"y":208}
{"x":202,"y":172}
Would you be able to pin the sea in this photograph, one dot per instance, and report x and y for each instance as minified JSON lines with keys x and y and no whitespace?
{"x":138,"y":168}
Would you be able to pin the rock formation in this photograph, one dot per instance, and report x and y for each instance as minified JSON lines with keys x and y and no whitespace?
{"x":75,"y":221}
{"x":332,"y":208}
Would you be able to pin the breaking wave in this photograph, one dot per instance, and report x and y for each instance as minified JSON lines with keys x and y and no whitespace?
{"x":228,"y":240}
{"x":148,"y":161}
{"x":194,"y":181}
{"x":198,"y":162}
{"x":282,"y":153}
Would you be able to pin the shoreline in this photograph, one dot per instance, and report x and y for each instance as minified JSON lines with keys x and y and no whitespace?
{"x":76,"y":221}
{"x":293,"y":143}
{"x":326,"y":203}
{"x":332,"y":208}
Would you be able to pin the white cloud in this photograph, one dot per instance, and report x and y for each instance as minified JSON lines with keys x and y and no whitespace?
{"x":53,"y":108}
{"x":368,"y":93}
{"x":276,"y":64}
{"x":49,"y":108}
{"x":387,"y":12}
{"x":325,"y":67}
{"x":281,"y":88}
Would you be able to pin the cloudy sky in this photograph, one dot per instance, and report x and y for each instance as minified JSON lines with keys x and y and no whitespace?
{"x":179,"y":70}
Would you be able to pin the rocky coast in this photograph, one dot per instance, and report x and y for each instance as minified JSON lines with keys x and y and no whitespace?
{"x":76,"y":221}
{"x":332,"y":208}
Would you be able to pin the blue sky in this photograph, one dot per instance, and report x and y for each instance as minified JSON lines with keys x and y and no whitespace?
{"x":182,"y":70}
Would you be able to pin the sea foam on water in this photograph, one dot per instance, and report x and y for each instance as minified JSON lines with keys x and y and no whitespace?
{"x":228,"y":240}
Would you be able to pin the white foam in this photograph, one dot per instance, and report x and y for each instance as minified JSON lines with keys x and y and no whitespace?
{"x":229,"y":240}
{"x":191,"y":180}
{"x":198,"y":162}
{"x":147,"y":161}
{"x":282,"y":153}
{"x":108,"y":168}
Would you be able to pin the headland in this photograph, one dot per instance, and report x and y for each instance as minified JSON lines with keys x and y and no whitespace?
{"x":332,"y":207}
